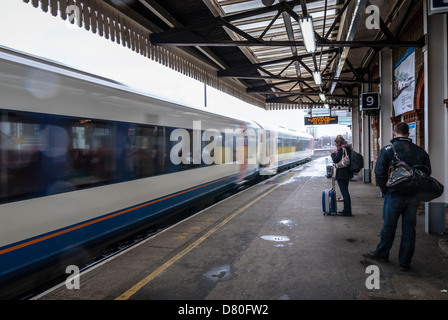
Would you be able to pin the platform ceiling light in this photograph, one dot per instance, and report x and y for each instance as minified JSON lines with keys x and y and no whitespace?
{"x":322,"y":96}
{"x":317,"y":77}
{"x":306,"y":25}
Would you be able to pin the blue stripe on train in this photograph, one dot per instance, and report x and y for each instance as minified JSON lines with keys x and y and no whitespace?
{"x":21,"y":259}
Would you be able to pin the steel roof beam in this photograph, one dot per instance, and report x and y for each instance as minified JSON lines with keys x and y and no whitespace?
{"x":316,"y":93}
{"x":186,"y":39}
{"x":290,"y":33}
{"x":338,"y":18}
{"x":269,"y":25}
{"x":243,"y":75}
{"x":263,"y":10}
{"x":383,"y":25}
{"x":299,"y":57}
{"x":230,"y":26}
{"x":291,"y":59}
{"x":166,"y":17}
{"x":307,"y":103}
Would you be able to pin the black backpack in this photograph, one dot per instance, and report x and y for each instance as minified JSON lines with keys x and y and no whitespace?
{"x":356,"y":162}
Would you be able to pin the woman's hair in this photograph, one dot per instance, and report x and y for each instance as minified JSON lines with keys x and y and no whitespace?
{"x":339,"y":140}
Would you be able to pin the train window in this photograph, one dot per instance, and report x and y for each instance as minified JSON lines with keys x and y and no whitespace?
{"x":42,"y":154}
{"x":21,"y":148}
{"x":287,"y":145}
{"x":304,"y":145}
{"x":145,"y":151}
{"x":92,"y":154}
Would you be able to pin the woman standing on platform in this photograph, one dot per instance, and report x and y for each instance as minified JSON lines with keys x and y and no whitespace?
{"x":343,"y":175}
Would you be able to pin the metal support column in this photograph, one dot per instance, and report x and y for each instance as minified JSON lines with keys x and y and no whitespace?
{"x":386,"y":87}
{"x":366,"y":137}
{"x":356,"y":114}
{"x":436,"y":114}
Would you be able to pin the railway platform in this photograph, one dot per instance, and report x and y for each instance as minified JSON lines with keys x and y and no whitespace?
{"x":271,"y":242}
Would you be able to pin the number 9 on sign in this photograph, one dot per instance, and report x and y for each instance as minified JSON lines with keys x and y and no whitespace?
{"x":370,"y":101}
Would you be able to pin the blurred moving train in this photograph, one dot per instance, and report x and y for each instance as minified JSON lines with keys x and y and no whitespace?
{"x":84,"y":159}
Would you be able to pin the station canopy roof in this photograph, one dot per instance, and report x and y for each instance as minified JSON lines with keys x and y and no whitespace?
{"x":255,"y":49}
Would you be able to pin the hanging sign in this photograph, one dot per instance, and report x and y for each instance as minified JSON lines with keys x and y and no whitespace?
{"x":370,"y":101}
{"x":437,"y":6}
{"x":321,"y":120}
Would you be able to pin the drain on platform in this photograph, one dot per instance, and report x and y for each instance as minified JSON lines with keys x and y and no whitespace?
{"x":287,"y":223}
{"x":275,"y":238}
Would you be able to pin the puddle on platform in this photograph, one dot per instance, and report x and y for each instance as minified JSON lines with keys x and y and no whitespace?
{"x":218,"y":273}
{"x":286,"y":223}
{"x":276,"y":238}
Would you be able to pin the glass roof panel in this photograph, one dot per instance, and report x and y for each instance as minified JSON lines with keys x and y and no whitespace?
{"x":262,"y":25}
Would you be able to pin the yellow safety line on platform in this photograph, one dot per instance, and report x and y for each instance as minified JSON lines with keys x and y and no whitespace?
{"x":159,"y":270}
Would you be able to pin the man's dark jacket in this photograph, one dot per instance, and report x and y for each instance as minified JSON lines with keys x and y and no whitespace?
{"x":408,"y":152}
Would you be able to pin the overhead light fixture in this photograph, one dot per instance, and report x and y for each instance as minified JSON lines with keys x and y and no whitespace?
{"x":306,"y":25}
{"x":322,"y":96}
{"x":326,"y":105}
{"x":317,"y":77}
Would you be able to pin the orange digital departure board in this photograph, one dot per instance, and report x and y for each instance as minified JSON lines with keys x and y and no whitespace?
{"x":321,"y":120}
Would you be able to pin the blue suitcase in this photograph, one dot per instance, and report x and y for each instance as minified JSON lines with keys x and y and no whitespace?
{"x":329,"y":203}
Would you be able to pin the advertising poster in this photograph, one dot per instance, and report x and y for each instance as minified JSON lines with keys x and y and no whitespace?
{"x":412,"y":132}
{"x":404,"y":84}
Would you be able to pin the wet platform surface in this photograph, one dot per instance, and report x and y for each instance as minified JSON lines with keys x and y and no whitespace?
{"x":271,"y":242}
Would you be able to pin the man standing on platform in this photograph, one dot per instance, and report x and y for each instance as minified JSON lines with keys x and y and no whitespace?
{"x":395,"y":203}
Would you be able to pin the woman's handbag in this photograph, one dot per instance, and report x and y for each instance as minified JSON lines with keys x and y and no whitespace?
{"x":412,"y":180}
{"x":345,"y":161}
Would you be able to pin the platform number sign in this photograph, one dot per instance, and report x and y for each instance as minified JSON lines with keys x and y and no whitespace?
{"x":437,"y":6}
{"x":370,"y":101}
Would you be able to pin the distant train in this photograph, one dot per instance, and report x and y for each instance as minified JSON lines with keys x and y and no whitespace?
{"x":84,"y":159}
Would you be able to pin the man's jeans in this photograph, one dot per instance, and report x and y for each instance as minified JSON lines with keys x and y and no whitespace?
{"x":394,"y":205}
